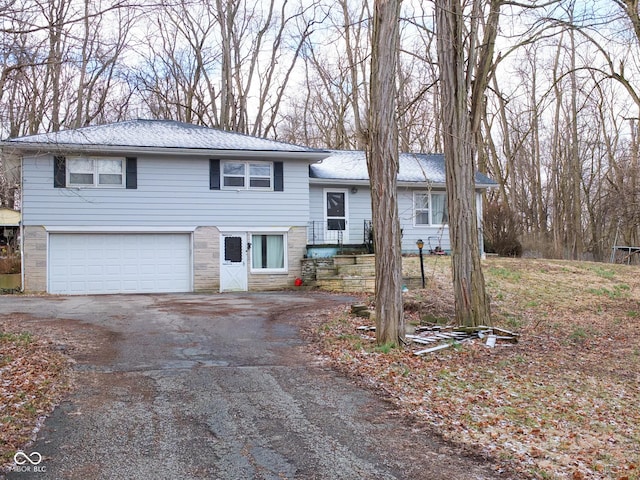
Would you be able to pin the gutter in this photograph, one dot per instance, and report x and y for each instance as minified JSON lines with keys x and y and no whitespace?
{"x":21,"y":226}
{"x":365,"y":182}
{"x":47,"y":149}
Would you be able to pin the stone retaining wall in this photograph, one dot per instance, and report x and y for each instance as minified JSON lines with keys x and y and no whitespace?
{"x":346,"y":273}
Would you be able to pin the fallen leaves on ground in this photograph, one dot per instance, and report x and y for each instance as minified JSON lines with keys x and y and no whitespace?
{"x":563,"y":403}
{"x":33,"y":379}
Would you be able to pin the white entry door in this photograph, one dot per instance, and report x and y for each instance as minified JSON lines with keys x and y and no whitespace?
{"x":336,"y":221}
{"x":233,"y":262}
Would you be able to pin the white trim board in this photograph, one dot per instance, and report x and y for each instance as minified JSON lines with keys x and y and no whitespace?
{"x":116,"y":229}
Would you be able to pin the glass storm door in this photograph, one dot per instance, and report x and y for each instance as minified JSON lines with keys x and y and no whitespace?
{"x":336,"y":216}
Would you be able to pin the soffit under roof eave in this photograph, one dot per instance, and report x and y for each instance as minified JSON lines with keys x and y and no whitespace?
{"x":338,"y":181}
{"x":346,"y":181}
{"x":486,"y":186}
{"x":422,"y":184}
{"x":46,"y":149}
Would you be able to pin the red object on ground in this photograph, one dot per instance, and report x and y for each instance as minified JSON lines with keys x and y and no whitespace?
{"x":298,"y":282}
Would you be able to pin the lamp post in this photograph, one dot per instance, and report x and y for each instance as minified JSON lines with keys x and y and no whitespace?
{"x":420,"y":244}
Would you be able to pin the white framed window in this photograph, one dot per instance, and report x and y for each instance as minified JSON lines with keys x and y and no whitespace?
{"x":430,"y":209}
{"x":269,"y":253}
{"x":247,"y":175}
{"x":234,"y":174}
{"x":95,"y":172}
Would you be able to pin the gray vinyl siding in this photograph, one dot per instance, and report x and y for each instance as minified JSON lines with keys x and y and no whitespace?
{"x":316,"y":203}
{"x":316,"y":214}
{"x":360,"y":210}
{"x":432,"y":236}
{"x":171,"y":192}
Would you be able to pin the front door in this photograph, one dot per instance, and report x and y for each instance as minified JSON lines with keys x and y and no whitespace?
{"x":233,"y":262}
{"x":336,"y":216}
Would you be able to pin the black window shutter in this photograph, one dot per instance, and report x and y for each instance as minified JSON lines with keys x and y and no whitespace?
{"x":59,"y":172}
{"x":132,"y":173}
{"x":278,"y":177}
{"x":214,"y":174}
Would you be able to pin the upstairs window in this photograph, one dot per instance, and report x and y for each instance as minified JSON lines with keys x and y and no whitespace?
{"x":247,"y":175}
{"x":95,"y":172}
{"x":430,"y":209}
{"x":259,"y":175}
{"x":234,"y":174}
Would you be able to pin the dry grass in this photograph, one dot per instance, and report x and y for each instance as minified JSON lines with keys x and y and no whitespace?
{"x":563,"y":403}
{"x":9,"y":264}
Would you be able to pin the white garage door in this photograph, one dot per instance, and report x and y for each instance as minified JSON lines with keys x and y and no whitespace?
{"x":119,"y":263}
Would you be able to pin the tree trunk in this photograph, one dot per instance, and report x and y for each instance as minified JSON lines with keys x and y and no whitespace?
{"x":471,"y":302}
{"x":382,"y":162}
{"x":575,"y":207}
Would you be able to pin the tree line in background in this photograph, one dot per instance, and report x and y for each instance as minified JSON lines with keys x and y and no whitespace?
{"x":555,"y":121}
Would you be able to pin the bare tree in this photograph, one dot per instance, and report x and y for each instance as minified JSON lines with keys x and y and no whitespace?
{"x":461,"y":113}
{"x":333,"y":110}
{"x":225,"y":63}
{"x":382,"y":162}
{"x":105,"y":36}
{"x":177,"y":79}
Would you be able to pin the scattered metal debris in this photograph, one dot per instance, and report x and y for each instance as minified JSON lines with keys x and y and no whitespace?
{"x":439,"y":337}
{"x":366,"y":328}
{"x":442,"y":337}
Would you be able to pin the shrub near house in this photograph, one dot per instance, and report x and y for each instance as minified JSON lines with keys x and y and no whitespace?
{"x":10,"y":278}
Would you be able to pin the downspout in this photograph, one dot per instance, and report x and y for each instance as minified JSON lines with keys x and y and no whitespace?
{"x":21,"y":255}
{"x":483,"y":255}
{"x":21,"y":225}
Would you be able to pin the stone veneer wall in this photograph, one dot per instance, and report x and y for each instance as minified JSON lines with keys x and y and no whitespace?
{"x":310,"y":267}
{"x":296,"y":248}
{"x":206,"y":262}
{"x":206,"y":259}
{"x":34,"y":264}
{"x":341,"y":273}
{"x":346,"y":273}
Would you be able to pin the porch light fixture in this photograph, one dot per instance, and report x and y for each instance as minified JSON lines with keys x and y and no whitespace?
{"x":354,"y":190}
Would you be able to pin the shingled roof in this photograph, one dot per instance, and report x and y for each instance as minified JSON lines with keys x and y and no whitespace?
{"x":154,"y":134}
{"x":414,"y":168}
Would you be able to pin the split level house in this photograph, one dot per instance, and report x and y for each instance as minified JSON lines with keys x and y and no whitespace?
{"x":152,"y":206}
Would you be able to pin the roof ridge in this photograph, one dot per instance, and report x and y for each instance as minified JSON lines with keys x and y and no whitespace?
{"x":159,"y":133}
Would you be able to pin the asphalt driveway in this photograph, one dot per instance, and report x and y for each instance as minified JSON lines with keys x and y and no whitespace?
{"x":217,"y":387}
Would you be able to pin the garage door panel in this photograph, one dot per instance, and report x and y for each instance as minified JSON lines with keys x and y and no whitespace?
{"x":119,"y":263}
{"x":112,"y":285}
{"x":76,"y":269}
{"x":112,"y":270}
{"x":129,"y":269}
{"x":95,"y":270}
